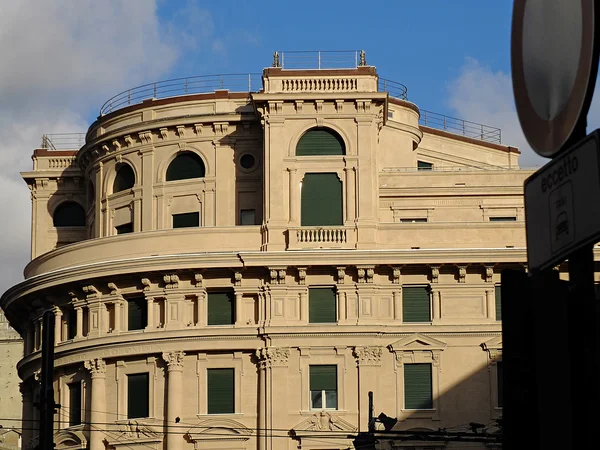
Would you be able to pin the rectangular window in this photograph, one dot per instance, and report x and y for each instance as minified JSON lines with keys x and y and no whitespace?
{"x":186,"y":220}
{"x":221,"y":391}
{"x":500,"y":383}
{"x":248,"y":217}
{"x":125,"y":228}
{"x":322,"y":305}
{"x":503,"y":219}
{"x":498,"y":294}
{"x":415,"y":220}
{"x":417,"y":386}
{"x":422,"y":165}
{"x":137,"y":313}
{"x":323,"y":387}
{"x":74,"y":404}
{"x":138,"y":392}
{"x":415,"y":304}
{"x":72,"y":324}
{"x":220,"y":308}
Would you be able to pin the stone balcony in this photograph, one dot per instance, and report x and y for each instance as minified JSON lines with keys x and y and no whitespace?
{"x":304,"y":238}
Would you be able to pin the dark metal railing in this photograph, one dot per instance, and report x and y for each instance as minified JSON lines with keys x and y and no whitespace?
{"x":249,"y":82}
{"x":458,"y":126}
{"x":331,"y":59}
{"x":63,"y":141}
{"x":394,"y":88}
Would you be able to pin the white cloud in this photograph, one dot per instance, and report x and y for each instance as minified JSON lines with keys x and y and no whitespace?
{"x":60,"y":59}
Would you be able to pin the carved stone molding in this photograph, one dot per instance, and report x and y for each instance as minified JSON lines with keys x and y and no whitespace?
{"x":237,"y":278}
{"x":171,"y":281}
{"x":145,"y":137}
{"x":299,"y":104}
{"x":198,"y":129}
{"x":133,"y":432}
{"x":396,"y":272}
{"x":96,"y":367}
{"x":180,"y":129}
{"x":462,"y":273}
{"x":91,"y":291}
{"x":272,"y":357}
{"x":365,"y":274}
{"x":220,"y":128}
{"x":489,"y":273}
{"x":435,"y":273}
{"x":174,"y":359}
{"x":341,"y":274}
{"x":146,"y":283}
{"x":368,"y":356}
{"x":302,"y":275}
{"x":164,"y":133}
{"x":277,"y":274}
{"x":114,"y":290}
{"x":339,"y":105}
{"x":198,"y":278}
{"x":322,"y":421}
{"x":128,"y":141}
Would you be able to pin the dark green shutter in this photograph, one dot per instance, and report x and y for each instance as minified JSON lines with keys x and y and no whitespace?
{"x":220,"y":308}
{"x":323,"y":378}
{"x":74,"y":403}
{"x":500,"y":383}
{"x":417,"y":386}
{"x":71,"y":324}
{"x":322,"y":305}
{"x":320,"y":141}
{"x":185,"y":166}
{"x":221,"y":390}
{"x":138,"y":391}
{"x":185,"y":220}
{"x":137,"y":313}
{"x":422,"y":165}
{"x":415,"y":304}
{"x":321,"y":200}
{"x":498,"y":303}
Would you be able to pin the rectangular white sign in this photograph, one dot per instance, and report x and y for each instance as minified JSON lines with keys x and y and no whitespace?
{"x":562,"y":204}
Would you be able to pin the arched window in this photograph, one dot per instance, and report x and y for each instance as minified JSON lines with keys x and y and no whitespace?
{"x":185,"y":166}
{"x":69,"y":214}
{"x":125,"y":178}
{"x":320,"y":141}
{"x":321,"y":200}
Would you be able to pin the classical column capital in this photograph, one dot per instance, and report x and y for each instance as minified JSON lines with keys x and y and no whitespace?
{"x":174,"y":360}
{"x":368,"y":356}
{"x":96,"y":367}
{"x":272,"y":357}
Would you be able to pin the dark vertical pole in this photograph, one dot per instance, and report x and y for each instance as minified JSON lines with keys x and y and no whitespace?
{"x":47,"y":383}
{"x":371,"y":419}
{"x":583,"y":347}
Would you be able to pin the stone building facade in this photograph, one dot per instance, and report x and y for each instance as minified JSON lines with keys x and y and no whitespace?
{"x":237,"y":270}
{"x":11,"y":351}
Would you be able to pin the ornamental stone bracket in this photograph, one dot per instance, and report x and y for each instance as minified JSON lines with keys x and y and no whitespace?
{"x":302,"y":275}
{"x":368,"y":356}
{"x":365,"y":274}
{"x":462,"y":273}
{"x":171,"y":281}
{"x":493,"y":347}
{"x":489,"y":273}
{"x":277,"y":274}
{"x":435,"y":273}
{"x":174,"y":359}
{"x":272,"y":357}
{"x":341,"y":274}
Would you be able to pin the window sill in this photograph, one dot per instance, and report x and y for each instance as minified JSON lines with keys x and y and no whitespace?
{"x":432,"y":414}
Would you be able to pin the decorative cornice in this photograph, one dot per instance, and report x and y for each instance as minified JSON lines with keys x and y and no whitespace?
{"x":272,"y":357}
{"x":171,"y":281}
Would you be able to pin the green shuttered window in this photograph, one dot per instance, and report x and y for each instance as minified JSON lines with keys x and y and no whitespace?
{"x":125,"y":178}
{"x":498,"y":294}
{"x":321,"y":200}
{"x":220,"y":308}
{"x":500,"y":383}
{"x":185,"y":166}
{"x":322,"y":305}
{"x":323,"y":387}
{"x":417,"y":386}
{"x":221,"y":391}
{"x":138,"y":391}
{"x":415,"y":304}
{"x":320,"y":141}
{"x":137,"y":313}
{"x":74,"y":403}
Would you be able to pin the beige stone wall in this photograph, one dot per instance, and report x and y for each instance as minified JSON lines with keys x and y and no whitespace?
{"x":11,"y":351}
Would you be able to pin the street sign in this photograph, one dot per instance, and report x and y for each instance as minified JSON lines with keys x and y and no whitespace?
{"x":554,"y":60}
{"x":562,"y":204}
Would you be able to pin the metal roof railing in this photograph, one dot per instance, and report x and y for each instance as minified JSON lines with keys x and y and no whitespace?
{"x":318,"y":59}
{"x":63,"y":141}
{"x":459,"y":126}
{"x":394,"y":88}
{"x":249,"y":82}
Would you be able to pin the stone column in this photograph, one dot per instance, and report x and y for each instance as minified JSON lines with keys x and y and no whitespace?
{"x":239,"y":319}
{"x":294,"y":192}
{"x":147,"y":183}
{"x":397,"y":296}
{"x":117,"y":316}
{"x":273,"y":365}
{"x":97,"y":415}
{"x":28,"y":424}
{"x":490,"y":304}
{"x":38,"y":335}
{"x":175,"y":399}
{"x":435,"y":305}
{"x":57,"y":326}
{"x":150,"y":312}
{"x":79,"y":332}
{"x":369,"y":363}
{"x":350,"y":195}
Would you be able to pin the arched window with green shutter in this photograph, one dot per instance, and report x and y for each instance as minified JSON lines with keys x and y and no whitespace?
{"x":185,"y":166}
{"x":320,"y":141}
{"x":321,"y":200}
